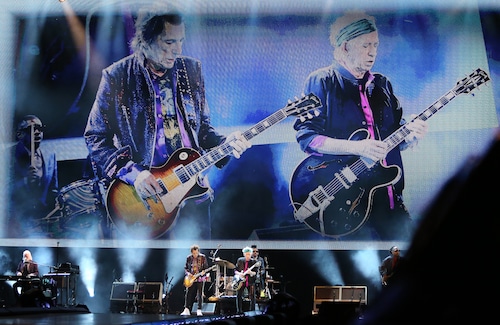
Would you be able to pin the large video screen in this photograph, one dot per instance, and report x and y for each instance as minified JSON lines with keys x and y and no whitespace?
{"x":255,"y":59}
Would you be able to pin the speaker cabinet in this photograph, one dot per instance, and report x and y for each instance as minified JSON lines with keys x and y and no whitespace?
{"x":327,"y":293}
{"x":119,"y":290}
{"x":348,"y":294}
{"x":151,"y":291}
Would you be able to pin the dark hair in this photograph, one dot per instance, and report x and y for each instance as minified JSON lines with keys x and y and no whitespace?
{"x":151,"y":24}
{"x":155,"y":25}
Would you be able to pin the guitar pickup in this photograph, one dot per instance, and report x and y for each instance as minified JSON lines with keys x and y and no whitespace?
{"x":346,"y":177}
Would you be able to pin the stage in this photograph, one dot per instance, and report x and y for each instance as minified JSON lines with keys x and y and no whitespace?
{"x":81,"y":315}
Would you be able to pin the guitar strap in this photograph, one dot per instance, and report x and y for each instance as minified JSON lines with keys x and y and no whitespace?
{"x":365,"y":104}
{"x":246,"y":277}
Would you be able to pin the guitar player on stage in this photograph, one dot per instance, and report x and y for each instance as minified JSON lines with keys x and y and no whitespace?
{"x":196,"y":274}
{"x":355,"y":98}
{"x":244,"y":279}
{"x":390,"y":266}
{"x":148,"y":105}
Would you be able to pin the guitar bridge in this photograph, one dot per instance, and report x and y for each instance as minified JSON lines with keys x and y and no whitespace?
{"x":164,"y":189}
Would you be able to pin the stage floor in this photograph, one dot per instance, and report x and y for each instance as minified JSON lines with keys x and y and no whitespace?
{"x":81,"y":315}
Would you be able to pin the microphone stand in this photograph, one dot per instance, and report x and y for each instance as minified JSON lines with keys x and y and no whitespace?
{"x":217,"y":294}
{"x":168,"y":287}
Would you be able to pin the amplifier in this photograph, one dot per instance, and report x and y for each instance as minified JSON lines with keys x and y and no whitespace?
{"x":347,"y":294}
{"x":119,"y":290}
{"x":152,"y":291}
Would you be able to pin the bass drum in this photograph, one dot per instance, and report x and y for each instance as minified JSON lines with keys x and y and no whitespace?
{"x":82,"y":210}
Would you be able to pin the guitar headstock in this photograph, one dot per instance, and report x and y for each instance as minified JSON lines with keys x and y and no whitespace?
{"x":471,"y":82}
{"x":303,"y":106}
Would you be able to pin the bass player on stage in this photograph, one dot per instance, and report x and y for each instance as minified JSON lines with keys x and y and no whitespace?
{"x":148,"y":105}
{"x":355,"y":98}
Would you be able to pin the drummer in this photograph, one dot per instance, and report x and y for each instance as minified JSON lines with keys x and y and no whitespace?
{"x":35,"y":184}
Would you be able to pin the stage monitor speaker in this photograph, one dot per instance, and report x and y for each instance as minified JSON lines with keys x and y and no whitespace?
{"x":208,"y":308}
{"x":152,"y":291}
{"x":119,"y":290}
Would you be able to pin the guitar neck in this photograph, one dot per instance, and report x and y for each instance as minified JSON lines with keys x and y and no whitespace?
{"x":466,"y":85}
{"x":210,"y":158}
{"x":400,"y":134}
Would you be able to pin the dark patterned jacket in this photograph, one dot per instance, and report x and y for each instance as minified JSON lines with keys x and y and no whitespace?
{"x":121,"y":125}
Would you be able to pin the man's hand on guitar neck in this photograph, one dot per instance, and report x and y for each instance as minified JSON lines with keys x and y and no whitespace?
{"x":247,"y":272}
{"x":239,"y":143}
{"x":372,"y":149}
{"x":418,"y":129}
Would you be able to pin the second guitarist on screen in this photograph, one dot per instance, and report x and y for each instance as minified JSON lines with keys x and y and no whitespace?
{"x":354,"y":98}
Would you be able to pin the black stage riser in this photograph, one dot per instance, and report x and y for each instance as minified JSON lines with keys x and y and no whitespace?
{"x":39,"y":310}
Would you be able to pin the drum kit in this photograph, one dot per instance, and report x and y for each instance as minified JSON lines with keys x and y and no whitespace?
{"x":78,"y":209}
{"x":224,"y":282}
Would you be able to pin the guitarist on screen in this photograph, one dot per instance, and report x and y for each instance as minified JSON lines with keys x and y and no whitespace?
{"x":148,"y":106}
{"x":359,"y":110}
{"x":196,"y":263}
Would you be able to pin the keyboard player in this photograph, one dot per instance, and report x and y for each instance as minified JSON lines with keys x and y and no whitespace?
{"x":29,"y":279}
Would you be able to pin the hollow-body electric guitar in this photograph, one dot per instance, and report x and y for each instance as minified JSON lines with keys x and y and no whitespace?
{"x":239,"y":277}
{"x":191,"y":278}
{"x":333,"y":194}
{"x":178,"y":177}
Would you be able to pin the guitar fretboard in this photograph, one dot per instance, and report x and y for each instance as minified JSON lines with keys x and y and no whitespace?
{"x":225,"y":149}
{"x":185,"y":173}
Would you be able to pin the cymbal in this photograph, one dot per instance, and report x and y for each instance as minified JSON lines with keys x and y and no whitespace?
{"x":225,"y":263}
{"x":272,"y":281}
{"x":269,"y":268}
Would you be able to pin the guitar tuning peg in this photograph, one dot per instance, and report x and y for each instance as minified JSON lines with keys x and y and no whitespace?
{"x":316,"y":112}
{"x":302,"y":118}
{"x":289,"y":101}
{"x":309,"y":116}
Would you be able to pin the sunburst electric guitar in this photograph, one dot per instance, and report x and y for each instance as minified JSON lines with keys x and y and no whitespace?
{"x":178,"y":177}
{"x":191,"y":278}
{"x":333,"y":194}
